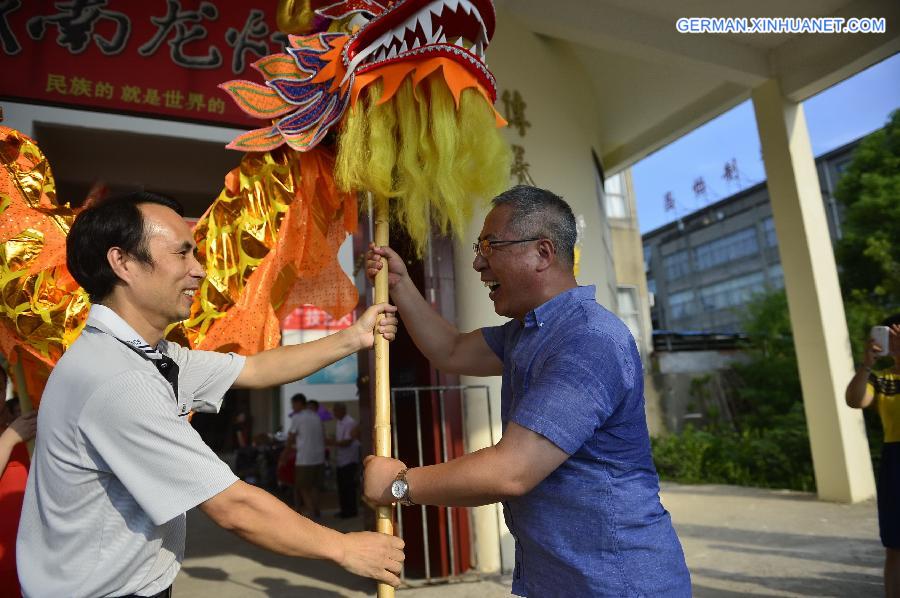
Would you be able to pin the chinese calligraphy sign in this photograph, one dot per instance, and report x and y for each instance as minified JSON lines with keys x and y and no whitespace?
{"x":514,"y":109}
{"x":159,"y":57}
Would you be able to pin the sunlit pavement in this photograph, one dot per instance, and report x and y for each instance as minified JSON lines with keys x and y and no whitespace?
{"x":749,"y":541}
{"x":738,"y":542}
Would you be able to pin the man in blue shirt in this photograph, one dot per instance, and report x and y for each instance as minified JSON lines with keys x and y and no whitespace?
{"x":573,"y":469}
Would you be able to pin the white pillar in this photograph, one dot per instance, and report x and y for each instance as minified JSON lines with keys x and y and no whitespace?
{"x":837,"y":435}
{"x":492,"y":542}
{"x":489,"y":533}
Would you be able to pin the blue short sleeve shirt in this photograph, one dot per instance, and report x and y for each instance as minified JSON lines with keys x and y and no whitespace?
{"x":595,"y":526}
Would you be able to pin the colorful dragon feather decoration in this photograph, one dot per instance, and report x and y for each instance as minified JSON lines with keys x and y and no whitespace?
{"x":409,"y":97}
{"x":301,"y":92}
{"x":393,"y":98}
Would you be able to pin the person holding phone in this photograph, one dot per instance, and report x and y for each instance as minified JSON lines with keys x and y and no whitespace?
{"x":881,"y":387}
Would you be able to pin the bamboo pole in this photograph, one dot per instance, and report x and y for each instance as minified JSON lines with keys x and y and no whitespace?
{"x":25,"y":404}
{"x":384,"y":516}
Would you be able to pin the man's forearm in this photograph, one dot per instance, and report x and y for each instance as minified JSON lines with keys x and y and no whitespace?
{"x":513,"y":467}
{"x":475,"y":479}
{"x":7,"y":443}
{"x":292,"y":362}
{"x":261,"y":519}
{"x":433,"y":335}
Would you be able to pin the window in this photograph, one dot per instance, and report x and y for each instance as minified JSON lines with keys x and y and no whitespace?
{"x":841,"y":166}
{"x":776,"y":276}
{"x":651,"y":285}
{"x":733,"y":292}
{"x":613,"y":185}
{"x":769,"y":231}
{"x":682,"y":304}
{"x":616,"y":207}
{"x":726,"y":249}
{"x":648,"y":253}
{"x":677,"y":265}
{"x":629,"y":311}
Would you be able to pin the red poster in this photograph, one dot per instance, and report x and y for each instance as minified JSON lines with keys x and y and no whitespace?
{"x":162,"y":58}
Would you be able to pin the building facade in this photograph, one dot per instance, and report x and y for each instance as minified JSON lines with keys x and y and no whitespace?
{"x":704,"y":268}
{"x":632,"y":298}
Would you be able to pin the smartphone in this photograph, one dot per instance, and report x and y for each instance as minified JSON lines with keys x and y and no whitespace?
{"x":882,"y":337}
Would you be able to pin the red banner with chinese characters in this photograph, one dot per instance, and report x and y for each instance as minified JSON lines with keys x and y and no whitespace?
{"x":153,"y":57}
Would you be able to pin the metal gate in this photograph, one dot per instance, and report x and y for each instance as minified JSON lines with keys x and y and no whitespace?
{"x":440,"y":415}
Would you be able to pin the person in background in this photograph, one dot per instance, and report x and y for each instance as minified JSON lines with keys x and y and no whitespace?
{"x":15,"y":431}
{"x":289,"y":454}
{"x":307,"y":437}
{"x":881,"y":388}
{"x":346,"y":442}
{"x":298,"y":404}
{"x":324,"y":412}
{"x":240,"y":429}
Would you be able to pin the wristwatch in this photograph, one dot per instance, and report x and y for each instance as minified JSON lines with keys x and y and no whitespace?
{"x":400,"y":489}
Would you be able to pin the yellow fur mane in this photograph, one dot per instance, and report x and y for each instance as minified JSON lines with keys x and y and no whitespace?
{"x":430,"y":159}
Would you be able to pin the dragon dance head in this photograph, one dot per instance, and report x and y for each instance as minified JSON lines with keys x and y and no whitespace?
{"x":407,"y":30}
{"x":400,"y":87}
{"x":404,"y":85}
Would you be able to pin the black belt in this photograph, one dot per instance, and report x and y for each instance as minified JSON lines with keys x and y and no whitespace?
{"x":167,"y":593}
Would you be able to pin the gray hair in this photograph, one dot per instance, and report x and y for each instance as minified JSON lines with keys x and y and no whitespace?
{"x":540,"y":213}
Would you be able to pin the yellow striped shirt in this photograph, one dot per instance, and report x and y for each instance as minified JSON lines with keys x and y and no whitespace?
{"x":885,"y":385}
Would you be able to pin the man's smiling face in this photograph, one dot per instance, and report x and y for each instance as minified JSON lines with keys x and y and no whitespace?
{"x":508,"y":270}
{"x":164,"y":290}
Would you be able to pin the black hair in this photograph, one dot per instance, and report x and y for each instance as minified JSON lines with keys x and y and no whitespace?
{"x":114,"y":222}
{"x":537,"y":212}
{"x":13,"y":406}
{"x":299,"y":398}
{"x":891,"y":320}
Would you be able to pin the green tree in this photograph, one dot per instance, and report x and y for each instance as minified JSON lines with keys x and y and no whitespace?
{"x":768,"y":386}
{"x":767,"y":444}
{"x":868,"y":255}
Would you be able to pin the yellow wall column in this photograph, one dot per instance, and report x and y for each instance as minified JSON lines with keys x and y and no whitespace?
{"x":492,"y":542}
{"x":840,"y":450}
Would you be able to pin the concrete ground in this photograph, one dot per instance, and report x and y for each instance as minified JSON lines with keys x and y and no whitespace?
{"x":737,"y":541}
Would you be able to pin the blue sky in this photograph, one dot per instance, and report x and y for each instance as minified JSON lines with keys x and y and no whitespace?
{"x":840,"y":114}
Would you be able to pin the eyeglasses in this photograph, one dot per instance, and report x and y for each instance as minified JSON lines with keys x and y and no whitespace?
{"x":485,"y":247}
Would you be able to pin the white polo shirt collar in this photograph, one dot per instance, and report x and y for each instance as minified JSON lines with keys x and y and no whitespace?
{"x":108,"y":321}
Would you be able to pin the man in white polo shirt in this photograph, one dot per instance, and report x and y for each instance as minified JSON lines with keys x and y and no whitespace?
{"x":346,"y":439}
{"x":117,"y":464}
{"x":307,"y":436}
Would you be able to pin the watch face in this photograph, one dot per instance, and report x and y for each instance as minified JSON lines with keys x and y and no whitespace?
{"x":398,"y":489}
